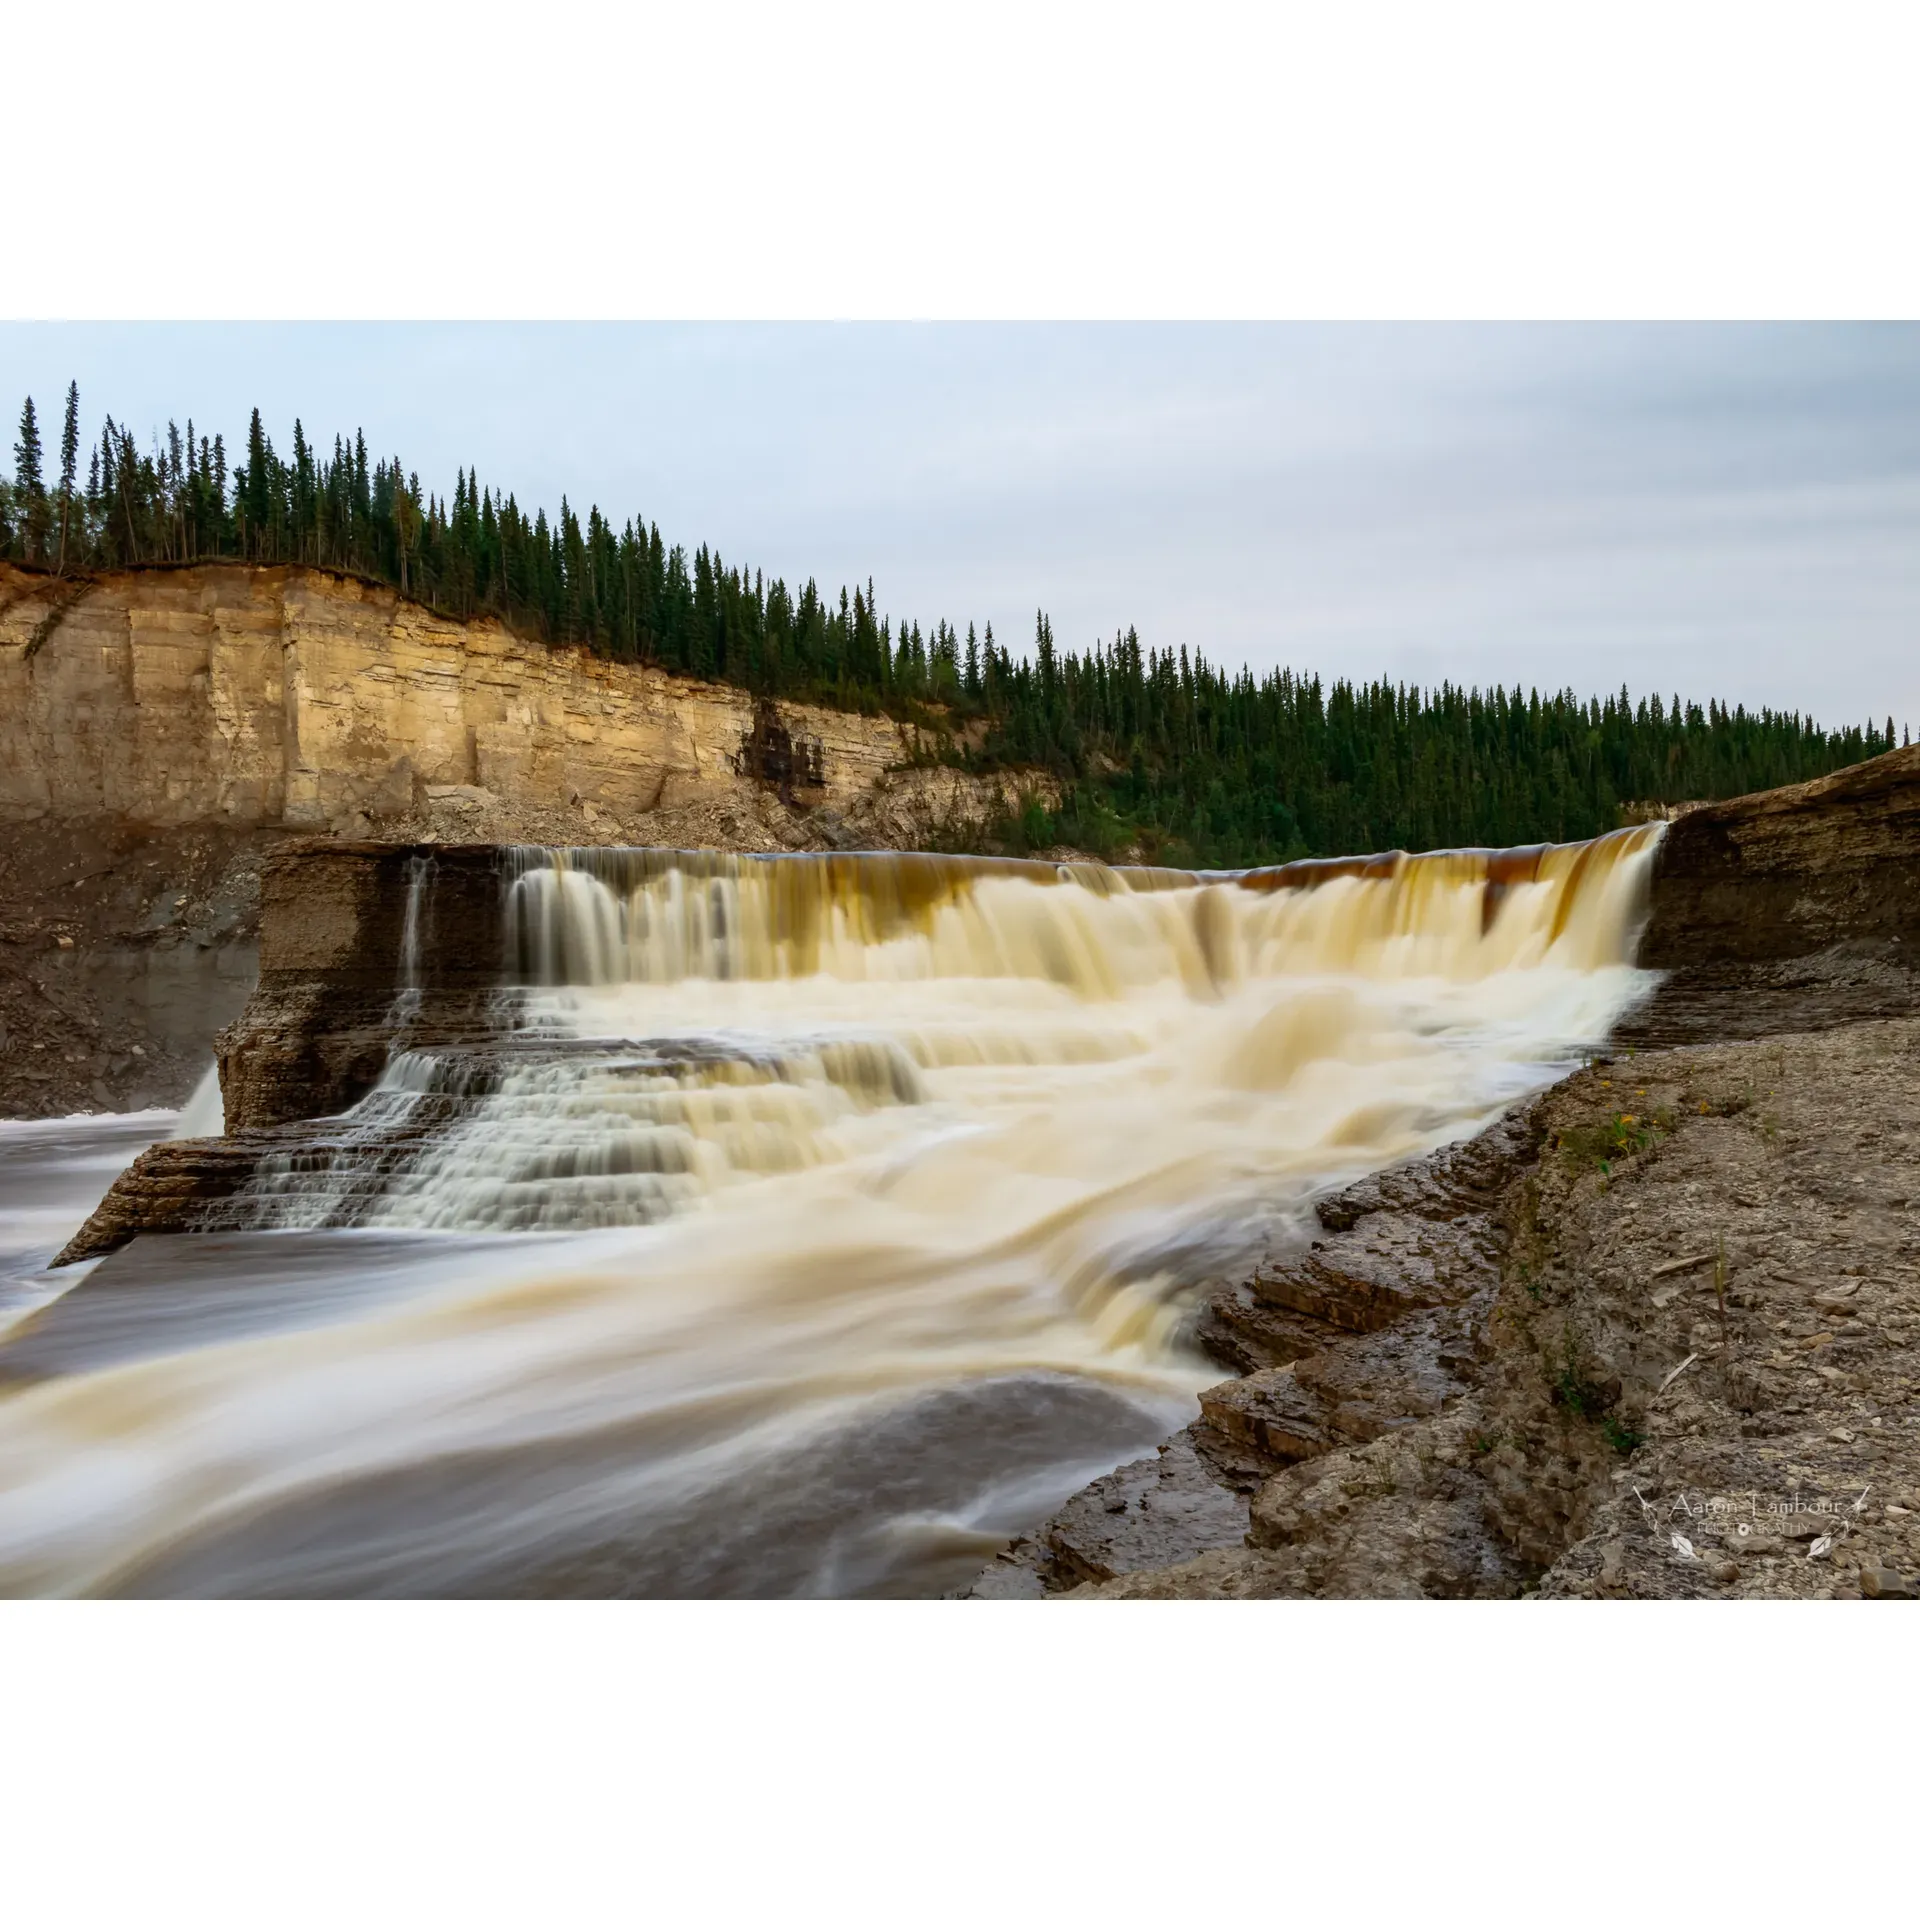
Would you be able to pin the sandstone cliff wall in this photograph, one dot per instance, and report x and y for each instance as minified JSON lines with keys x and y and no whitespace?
{"x":291,"y":697}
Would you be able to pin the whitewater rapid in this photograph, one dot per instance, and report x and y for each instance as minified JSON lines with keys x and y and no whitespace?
{"x":827,"y":1221}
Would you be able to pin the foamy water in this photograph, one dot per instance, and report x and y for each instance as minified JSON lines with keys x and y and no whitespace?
{"x":868,"y":1199}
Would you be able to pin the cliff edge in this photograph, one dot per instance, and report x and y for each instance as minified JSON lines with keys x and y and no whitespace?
{"x":168,"y":727}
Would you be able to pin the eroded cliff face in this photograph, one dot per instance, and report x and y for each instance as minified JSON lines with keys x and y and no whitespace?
{"x":1787,"y":911}
{"x":289,"y":697}
{"x":123,"y":951}
{"x":166,"y":729}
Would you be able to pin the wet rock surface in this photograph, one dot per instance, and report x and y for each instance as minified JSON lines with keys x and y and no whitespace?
{"x":1690,"y":1371}
{"x":1143,"y":1515}
{"x":327,"y":1013}
{"x":1369,"y":1327}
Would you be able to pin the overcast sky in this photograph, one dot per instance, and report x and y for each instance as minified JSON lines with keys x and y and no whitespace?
{"x":1731,"y":511}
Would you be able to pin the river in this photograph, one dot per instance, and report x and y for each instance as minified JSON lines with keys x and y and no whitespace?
{"x":821,"y":1223}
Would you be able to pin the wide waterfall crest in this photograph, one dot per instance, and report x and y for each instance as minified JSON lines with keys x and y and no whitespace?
{"x":685,"y":1023}
{"x":601,"y":917}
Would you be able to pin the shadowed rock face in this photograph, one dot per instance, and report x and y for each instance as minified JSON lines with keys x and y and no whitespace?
{"x":337,"y":988}
{"x":340,"y":987}
{"x":1788,"y":911}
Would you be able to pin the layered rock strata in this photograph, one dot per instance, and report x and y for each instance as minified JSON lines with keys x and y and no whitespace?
{"x":363,"y":948}
{"x":1372,"y":1325}
{"x":168,"y":727}
{"x":1787,"y":911}
{"x":297,"y":698}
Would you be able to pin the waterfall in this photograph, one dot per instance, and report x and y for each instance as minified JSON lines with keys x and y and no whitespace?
{"x":603,"y":917}
{"x":692,"y":1021}
{"x":205,"y":1112}
{"x":828,"y":1216}
{"x":415,"y":935}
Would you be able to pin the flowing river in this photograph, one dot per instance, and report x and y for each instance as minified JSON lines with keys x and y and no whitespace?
{"x":821,"y":1223}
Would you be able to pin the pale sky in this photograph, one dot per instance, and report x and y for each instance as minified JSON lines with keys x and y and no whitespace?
{"x":1731,"y":511}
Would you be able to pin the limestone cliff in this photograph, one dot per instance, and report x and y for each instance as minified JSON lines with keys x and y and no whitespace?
{"x":290,"y":697}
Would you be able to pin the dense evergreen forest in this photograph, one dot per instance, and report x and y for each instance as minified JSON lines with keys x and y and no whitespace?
{"x":1189,"y":762}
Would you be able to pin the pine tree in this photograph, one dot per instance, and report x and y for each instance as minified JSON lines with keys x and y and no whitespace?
{"x":255,"y":487}
{"x":69,"y":464}
{"x":29,"y":491}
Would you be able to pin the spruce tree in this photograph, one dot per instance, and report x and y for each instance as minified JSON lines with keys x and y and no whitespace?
{"x":69,"y":465}
{"x":255,"y":489}
{"x":29,"y":491}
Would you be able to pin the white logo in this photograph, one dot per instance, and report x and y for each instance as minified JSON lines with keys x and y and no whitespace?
{"x":1720,"y":1510}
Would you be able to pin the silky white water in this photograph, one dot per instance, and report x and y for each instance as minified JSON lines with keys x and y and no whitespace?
{"x":868,"y":1199}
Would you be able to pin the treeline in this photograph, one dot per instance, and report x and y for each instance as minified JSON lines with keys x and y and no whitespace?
{"x":622,"y":593}
{"x":1223,"y":769}
{"x":1151,"y":749}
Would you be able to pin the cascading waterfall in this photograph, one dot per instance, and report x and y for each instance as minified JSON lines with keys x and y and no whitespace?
{"x":605,"y":917}
{"x":205,"y":1111}
{"x":868,"y":1195}
{"x":406,"y":1002}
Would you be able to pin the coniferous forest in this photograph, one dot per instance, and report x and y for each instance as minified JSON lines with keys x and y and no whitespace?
{"x":1152,"y":748}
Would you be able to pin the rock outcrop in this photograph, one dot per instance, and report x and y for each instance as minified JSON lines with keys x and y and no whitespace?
{"x":168,"y":727}
{"x":1692,"y":1370}
{"x":1373,"y":1326}
{"x":338,"y":991}
{"x":297,"y":698}
{"x":1787,"y":911}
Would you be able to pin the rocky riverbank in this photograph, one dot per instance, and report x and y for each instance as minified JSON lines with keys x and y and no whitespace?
{"x":1654,"y":1336}
{"x":1650,"y":1335}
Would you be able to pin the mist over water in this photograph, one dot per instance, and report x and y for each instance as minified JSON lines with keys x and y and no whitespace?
{"x":825,"y":1221}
